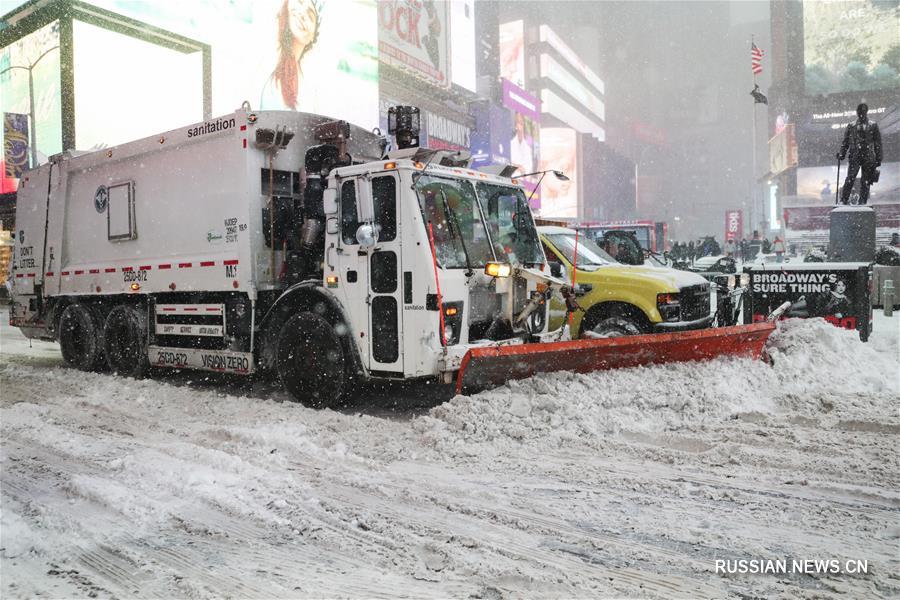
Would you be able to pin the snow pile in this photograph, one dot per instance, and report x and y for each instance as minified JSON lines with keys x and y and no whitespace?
{"x":816,"y":362}
{"x":817,"y":368}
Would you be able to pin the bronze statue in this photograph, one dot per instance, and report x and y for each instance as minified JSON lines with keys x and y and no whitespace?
{"x":862,"y":139}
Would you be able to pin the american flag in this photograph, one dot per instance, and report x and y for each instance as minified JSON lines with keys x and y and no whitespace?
{"x":756,"y":58}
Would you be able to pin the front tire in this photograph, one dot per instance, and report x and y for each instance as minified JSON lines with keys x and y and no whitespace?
{"x":81,"y":338}
{"x":310,"y":360}
{"x":615,"y":327}
{"x":125,"y":341}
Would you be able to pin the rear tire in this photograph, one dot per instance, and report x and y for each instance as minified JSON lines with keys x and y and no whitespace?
{"x":81,"y":338}
{"x":615,"y":327}
{"x":125,"y":341}
{"x":310,"y":360}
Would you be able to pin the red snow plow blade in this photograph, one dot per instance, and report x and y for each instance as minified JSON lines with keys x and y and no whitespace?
{"x":484,"y":368}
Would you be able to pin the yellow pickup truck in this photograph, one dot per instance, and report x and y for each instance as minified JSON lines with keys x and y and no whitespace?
{"x":622,"y":299}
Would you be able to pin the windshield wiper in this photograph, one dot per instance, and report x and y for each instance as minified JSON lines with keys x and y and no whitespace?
{"x":452,"y":221}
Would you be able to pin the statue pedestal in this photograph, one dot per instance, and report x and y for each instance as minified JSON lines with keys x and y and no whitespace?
{"x":852,"y":235}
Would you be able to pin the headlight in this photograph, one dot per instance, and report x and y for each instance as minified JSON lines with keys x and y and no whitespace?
{"x":731,"y":282}
{"x":497,"y":269}
{"x":669,"y":306}
{"x":745,"y":279}
{"x":452,"y":322}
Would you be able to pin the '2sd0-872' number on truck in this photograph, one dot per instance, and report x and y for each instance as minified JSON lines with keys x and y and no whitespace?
{"x":171,"y":359}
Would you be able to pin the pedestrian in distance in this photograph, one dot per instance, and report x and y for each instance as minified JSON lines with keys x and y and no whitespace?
{"x":778,"y":249}
{"x":730,"y":248}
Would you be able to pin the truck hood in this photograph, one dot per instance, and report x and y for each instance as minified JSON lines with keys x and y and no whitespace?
{"x":673,"y":279}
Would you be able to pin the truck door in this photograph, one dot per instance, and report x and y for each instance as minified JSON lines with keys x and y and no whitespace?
{"x":385,"y":315}
{"x":371,"y":276}
{"x":352,"y":268}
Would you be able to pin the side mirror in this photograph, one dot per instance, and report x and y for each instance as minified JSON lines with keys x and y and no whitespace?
{"x":556,"y":269}
{"x":367,"y":236}
{"x":329,"y":201}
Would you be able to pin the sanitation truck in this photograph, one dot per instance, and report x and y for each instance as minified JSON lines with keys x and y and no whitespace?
{"x":276,"y":241}
{"x":293,"y":244}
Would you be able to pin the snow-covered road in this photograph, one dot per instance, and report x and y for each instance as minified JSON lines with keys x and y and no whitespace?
{"x":629,"y":483}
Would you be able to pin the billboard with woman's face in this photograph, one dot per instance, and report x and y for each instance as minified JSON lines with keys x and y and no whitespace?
{"x":304,"y":55}
{"x":323,"y":62}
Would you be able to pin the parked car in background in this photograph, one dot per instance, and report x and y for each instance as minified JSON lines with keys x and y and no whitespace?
{"x":729,"y":285}
{"x":768,"y":259}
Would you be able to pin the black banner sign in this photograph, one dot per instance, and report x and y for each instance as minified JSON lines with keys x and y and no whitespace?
{"x":836,"y":293}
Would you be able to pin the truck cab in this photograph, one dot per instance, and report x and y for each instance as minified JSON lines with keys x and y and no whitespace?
{"x":430,"y":259}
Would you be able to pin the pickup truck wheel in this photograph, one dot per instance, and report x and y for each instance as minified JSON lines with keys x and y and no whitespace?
{"x":80,"y":338}
{"x":615,"y":327}
{"x":125,"y":341}
{"x":311,"y":362}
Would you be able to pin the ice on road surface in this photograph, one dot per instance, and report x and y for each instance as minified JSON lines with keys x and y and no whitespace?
{"x":628,"y":483}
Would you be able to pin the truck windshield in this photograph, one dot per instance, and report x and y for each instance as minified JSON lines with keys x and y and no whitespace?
{"x":510,"y":225}
{"x":452,"y":209}
{"x":590,"y":255}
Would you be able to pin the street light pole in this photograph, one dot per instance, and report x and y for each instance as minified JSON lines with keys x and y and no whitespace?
{"x":32,"y":143}
{"x":31,"y":117}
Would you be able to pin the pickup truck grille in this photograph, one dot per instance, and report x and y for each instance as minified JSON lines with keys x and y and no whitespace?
{"x":694,"y":302}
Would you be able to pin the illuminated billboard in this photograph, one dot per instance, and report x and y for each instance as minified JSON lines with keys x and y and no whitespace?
{"x":552,"y":70}
{"x":572,"y":59}
{"x":524,"y":141}
{"x":38,"y":50}
{"x":462,"y":43}
{"x":559,"y":151}
{"x":116,"y":102}
{"x":303,"y":55}
{"x":851,"y":45}
{"x":512,"y":52}
{"x":412,"y":37}
{"x":820,"y":184}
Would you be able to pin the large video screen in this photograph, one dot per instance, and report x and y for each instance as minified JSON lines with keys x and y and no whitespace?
{"x":303,"y":55}
{"x":819,"y":185}
{"x":851,"y":45}
{"x":559,"y":151}
{"x":512,"y":52}
{"x":462,"y":43}
{"x":40,"y":51}
{"x":116,"y":102}
{"x":820,"y":132}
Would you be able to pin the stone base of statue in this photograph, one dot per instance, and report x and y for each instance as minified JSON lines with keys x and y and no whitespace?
{"x":852,"y":236}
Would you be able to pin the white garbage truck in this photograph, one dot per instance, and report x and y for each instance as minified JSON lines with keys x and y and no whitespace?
{"x":277,"y":241}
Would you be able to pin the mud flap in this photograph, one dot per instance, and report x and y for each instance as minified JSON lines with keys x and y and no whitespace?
{"x":484,"y":368}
